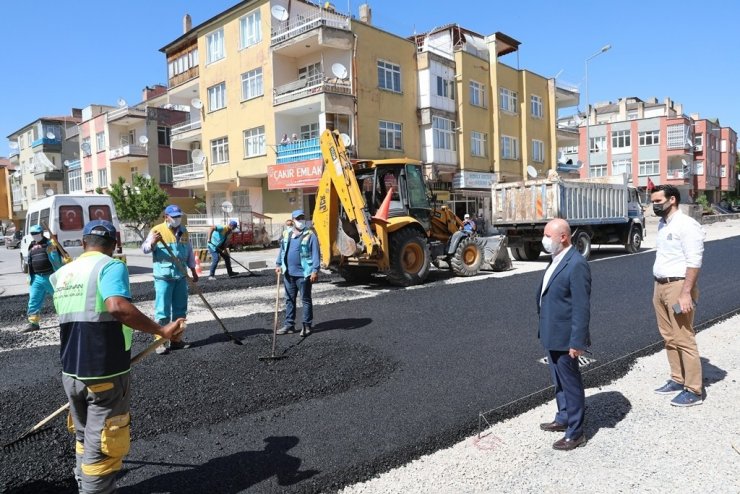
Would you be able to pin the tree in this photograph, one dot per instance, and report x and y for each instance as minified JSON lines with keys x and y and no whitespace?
{"x":139,"y":205}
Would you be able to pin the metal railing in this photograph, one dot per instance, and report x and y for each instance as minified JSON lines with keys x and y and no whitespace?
{"x":196,"y":220}
{"x":46,"y":142}
{"x":191,"y":171}
{"x":305,"y":87}
{"x":285,"y":30}
{"x":127,"y":150}
{"x":185,"y":127}
{"x":305,"y":149}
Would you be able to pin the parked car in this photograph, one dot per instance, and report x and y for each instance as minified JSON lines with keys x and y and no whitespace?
{"x":13,"y":241}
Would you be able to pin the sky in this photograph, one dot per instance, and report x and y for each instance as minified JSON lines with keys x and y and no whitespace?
{"x":63,"y":55}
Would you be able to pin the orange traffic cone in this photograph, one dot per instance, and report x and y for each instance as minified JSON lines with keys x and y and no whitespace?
{"x":382,"y":213}
{"x":198,"y":269}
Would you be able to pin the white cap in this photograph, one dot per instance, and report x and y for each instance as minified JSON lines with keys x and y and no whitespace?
{"x":467,"y":216}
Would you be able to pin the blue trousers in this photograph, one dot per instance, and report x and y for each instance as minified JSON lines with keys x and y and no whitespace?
{"x":170,"y":299}
{"x":293,"y":285}
{"x":215,"y":256}
{"x":569,"y":393}
{"x":38,"y":290}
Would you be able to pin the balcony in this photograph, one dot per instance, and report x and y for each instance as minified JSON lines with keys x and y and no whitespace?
{"x":73,"y":165}
{"x":566,"y":95}
{"x":186,"y":132}
{"x":128,"y":153}
{"x":14,"y":153}
{"x":188,"y":176}
{"x":126,"y":116}
{"x":303,"y":150}
{"x":17,"y":194}
{"x":306,"y":22}
{"x":47,"y":174}
{"x":45,"y":141}
{"x":567,"y":135}
{"x":303,"y":88}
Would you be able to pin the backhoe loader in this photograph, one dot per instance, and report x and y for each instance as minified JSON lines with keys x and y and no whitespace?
{"x":378,"y":217}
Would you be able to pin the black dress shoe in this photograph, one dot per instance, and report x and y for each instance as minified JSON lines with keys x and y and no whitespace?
{"x":553,"y":427}
{"x":566,"y":444}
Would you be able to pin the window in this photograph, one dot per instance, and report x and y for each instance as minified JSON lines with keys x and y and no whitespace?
{"x":621,"y":166}
{"x":723,"y":171}
{"x":443,"y":133}
{"x":70,"y":218}
{"x":632,"y":115}
{"x":312,"y":73}
{"x":100,"y":141}
{"x":597,"y":171}
{"x":651,"y":167}
{"x":723,"y":146}
{"x":598,"y":144}
{"x":250,"y":29}
{"x":535,"y":104}
{"x":220,"y":150}
{"x":240,"y":199}
{"x":75,"y":181}
{"x":699,"y":142}
{"x":217,"y":97}
{"x":649,"y":138}
{"x":445,"y":88}
{"x":538,"y":151}
{"x":165,"y":174}
{"x":252,"y":84}
{"x":310,"y":131}
{"x":389,"y":76}
{"x":417,"y":191}
{"x":254,"y":142}
{"x":215,"y":46}
{"x":103,"y":178}
{"x":569,"y":150}
{"x":89,"y":181}
{"x":44,"y":213}
{"x":85,"y":146}
{"x":699,"y":168}
{"x":99,"y":212}
{"x":621,"y":139}
{"x":677,"y":136}
{"x":508,"y":100}
{"x":134,"y":172}
{"x":477,"y":94}
{"x":509,"y":148}
{"x":183,"y":63}
{"x":390,"y":135}
{"x":163,"y":136}
{"x":479,"y":144}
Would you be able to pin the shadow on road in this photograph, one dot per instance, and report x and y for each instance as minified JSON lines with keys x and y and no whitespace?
{"x":605,"y":410}
{"x":232,"y":473}
{"x":344,"y":324}
{"x":711,"y":374}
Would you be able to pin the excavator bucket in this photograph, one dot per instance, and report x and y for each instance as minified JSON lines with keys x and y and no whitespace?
{"x":495,"y":253}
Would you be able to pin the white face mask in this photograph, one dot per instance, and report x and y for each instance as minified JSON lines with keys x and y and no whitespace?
{"x":174,"y":222}
{"x":550,"y":246}
{"x":299,"y":225}
{"x":37,"y":237}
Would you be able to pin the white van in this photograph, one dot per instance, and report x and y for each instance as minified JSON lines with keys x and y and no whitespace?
{"x":65,"y":215}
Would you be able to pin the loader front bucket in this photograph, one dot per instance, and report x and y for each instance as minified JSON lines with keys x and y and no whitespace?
{"x":495,"y":253}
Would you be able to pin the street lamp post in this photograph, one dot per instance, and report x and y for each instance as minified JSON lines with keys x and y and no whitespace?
{"x":588,"y":109}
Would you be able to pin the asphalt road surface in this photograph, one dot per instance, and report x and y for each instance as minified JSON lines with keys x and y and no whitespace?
{"x":389,"y":375}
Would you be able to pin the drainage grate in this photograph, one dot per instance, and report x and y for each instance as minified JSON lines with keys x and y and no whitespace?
{"x":583,"y":361}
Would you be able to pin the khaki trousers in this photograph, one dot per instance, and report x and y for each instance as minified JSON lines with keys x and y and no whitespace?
{"x":678,"y":332}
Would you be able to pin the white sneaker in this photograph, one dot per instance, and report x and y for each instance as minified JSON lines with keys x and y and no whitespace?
{"x":211,"y":278}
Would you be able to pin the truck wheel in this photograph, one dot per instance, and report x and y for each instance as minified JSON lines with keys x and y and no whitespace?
{"x":634,"y":241}
{"x":357,"y":274}
{"x":531,"y":251}
{"x":582,"y":243}
{"x":409,"y":258}
{"x":24,"y":266}
{"x":518,"y":253}
{"x":468,"y":258}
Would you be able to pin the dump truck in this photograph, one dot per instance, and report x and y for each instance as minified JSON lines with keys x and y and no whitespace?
{"x":602,"y":210}
{"x":377,"y":216}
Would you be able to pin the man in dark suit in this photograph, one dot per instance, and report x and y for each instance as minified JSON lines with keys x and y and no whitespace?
{"x":564,"y":306}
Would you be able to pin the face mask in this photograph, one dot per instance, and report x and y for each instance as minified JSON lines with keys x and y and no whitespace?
{"x":37,"y":237}
{"x":661,"y":209}
{"x":550,"y":246}
{"x":174,"y":222}
{"x":299,"y":225}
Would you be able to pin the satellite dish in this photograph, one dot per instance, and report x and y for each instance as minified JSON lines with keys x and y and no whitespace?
{"x":227,"y":207}
{"x":143,"y":140}
{"x":122,"y":102}
{"x":196,"y":103}
{"x":346,"y":140}
{"x":85,"y":147}
{"x":561,"y":157}
{"x":279,"y":12}
{"x":339,"y":70}
{"x":579,"y":164}
{"x":51,"y":135}
{"x":198,"y":156}
{"x":49,"y":192}
{"x":66,"y":163}
{"x":532,"y":171}
{"x":684,"y":162}
{"x":13,"y":144}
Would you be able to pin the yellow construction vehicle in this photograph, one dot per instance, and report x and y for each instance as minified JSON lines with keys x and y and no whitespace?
{"x":378,"y":217}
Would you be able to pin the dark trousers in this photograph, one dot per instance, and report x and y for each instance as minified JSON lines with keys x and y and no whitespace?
{"x":215,"y":254}
{"x":569,"y":394}
{"x":293,"y":285}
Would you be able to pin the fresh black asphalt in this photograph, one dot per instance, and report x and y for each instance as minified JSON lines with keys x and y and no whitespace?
{"x":382,"y":381}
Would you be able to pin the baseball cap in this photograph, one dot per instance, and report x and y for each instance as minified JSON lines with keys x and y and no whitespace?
{"x":297,"y":213}
{"x":173,"y":211}
{"x":467,"y":216}
{"x":103,"y":228}
{"x":36,"y":229}
{"x":233,"y":223}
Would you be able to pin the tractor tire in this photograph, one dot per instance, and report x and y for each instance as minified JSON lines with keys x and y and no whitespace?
{"x":357,"y":274}
{"x":634,"y":240}
{"x":582,"y":243}
{"x":468,"y":258}
{"x":409,"y":258}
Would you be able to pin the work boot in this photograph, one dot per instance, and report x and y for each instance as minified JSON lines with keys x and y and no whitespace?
{"x":288,"y":328}
{"x":306,"y":330}
{"x":31,"y":326}
{"x":232,"y":274}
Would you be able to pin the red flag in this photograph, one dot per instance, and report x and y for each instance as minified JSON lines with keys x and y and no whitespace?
{"x":650,"y":185}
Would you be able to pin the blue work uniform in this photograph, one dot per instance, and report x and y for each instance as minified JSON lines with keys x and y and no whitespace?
{"x":298,"y":259}
{"x":43,"y":259}
{"x":216,"y":244}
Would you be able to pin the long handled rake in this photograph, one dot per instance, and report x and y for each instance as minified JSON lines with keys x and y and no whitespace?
{"x":275,"y":325}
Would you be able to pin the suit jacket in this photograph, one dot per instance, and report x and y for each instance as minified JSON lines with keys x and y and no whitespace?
{"x":565,"y":307}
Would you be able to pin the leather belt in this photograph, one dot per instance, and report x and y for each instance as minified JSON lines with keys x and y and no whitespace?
{"x":663,"y":281}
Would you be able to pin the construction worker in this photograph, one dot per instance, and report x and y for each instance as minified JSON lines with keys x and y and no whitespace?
{"x":170,"y":283}
{"x":44,"y":257}
{"x":92,"y":298}
{"x":218,"y":240}
{"x":298,"y":261}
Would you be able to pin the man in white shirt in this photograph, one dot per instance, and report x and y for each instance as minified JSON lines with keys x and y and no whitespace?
{"x":678,"y":257}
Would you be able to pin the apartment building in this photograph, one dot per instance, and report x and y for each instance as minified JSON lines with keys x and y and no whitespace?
{"x":38,"y":151}
{"x":656,"y":141}
{"x":6,"y":200}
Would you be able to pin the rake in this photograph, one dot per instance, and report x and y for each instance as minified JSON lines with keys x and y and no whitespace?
{"x":272,"y":356}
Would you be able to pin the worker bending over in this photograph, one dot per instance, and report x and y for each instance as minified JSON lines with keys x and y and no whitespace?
{"x":218,"y":241}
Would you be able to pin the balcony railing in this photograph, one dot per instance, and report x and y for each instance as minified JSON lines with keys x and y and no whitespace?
{"x":307,"y":87}
{"x":185,"y":127}
{"x":208,"y":220}
{"x":282,"y":31}
{"x":191,"y":171}
{"x":305,"y":149}
{"x":13,"y":153}
{"x":126,"y":111}
{"x":127,"y":150}
{"x":45,"y":141}
{"x":17,"y":193}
